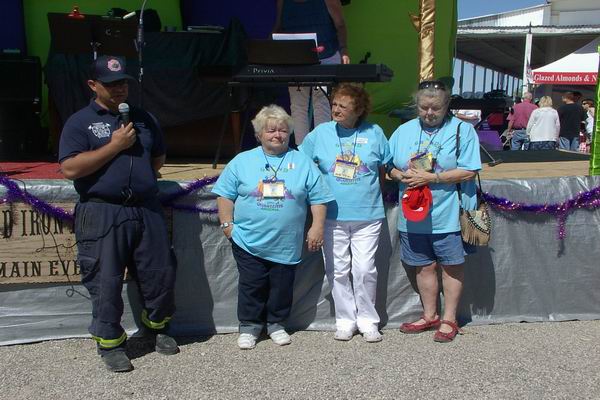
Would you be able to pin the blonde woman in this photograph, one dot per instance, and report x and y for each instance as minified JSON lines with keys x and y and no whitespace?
{"x":543,"y":126}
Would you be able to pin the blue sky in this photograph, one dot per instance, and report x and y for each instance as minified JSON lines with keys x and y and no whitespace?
{"x":476,"y":8}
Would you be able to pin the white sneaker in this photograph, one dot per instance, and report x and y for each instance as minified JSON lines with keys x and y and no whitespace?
{"x":343,"y":335}
{"x":280,"y":337}
{"x":246,"y":341}
{"x":372,"y":337}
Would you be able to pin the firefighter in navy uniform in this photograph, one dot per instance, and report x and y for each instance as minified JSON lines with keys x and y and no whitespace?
{"x":119,"y":220}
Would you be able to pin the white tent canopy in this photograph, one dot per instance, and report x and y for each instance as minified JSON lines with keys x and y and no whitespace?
{"x":578,"y":68}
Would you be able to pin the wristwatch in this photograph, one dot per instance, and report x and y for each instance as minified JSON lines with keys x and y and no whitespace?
{"x":226,"y":225}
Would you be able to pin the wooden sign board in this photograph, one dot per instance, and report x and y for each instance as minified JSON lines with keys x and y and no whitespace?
{"x":37,"y":248}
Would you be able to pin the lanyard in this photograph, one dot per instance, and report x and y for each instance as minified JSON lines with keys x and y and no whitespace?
{"x":337,"y":129}
{"x":269,"y":166}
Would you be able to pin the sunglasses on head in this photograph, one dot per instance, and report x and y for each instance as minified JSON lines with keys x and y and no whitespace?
{"x":432,"y":84}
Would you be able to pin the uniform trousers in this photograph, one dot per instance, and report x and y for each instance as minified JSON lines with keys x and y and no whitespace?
{"x":111,"y":237}
{"x":265,"y":292}
{"x":299,"y":104}
{"x":349,"y":248}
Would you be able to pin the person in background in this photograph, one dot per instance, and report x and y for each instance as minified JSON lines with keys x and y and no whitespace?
{"x":543,"y":126}
{"x":588,"y":106}
{"x":119,"y":219}
{"x":517,"y":122}
{"x":326,"y":18}
{"x":351,"y":153}
{"x":571,"y":115}
{"x":426,"y":166}
{"x":470,"y":116}
{"x":263,"y":198}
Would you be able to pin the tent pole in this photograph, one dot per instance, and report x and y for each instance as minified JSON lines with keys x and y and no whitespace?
{"x":460,"y":80}
{"x":527,"y":61}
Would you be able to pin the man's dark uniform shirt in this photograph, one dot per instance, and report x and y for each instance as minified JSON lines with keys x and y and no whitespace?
{"x":90,"y":129}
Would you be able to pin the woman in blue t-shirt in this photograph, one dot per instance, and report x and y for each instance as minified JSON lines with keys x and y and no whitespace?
{"x":263,"y":198}
{"x":351,"y":152}
{"x":425,"y":159}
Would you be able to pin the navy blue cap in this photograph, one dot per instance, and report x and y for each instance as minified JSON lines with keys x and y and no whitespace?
{"x":107,"y":69}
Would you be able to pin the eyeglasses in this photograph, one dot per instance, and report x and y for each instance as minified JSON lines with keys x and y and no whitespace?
{"x":432,"y":84}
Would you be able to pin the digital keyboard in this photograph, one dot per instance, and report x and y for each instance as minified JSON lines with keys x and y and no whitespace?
{"x":310,"y":75}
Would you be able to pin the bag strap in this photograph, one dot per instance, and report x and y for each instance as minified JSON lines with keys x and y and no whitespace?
{"x":457,"y":154}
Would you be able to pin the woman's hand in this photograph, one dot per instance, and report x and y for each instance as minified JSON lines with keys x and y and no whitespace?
{"x":314,"y":238}
{"x":415,"y":178}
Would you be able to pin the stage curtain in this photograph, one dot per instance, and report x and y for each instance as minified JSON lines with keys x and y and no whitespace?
{"x":12,"y":26}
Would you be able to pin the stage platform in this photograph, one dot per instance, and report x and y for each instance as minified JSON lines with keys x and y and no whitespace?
{"x":515,"y":165}
{"x":526,"y":273}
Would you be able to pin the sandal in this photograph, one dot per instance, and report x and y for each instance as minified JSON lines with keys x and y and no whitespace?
{"x":447,"y":337}
{"x":413,"y":327}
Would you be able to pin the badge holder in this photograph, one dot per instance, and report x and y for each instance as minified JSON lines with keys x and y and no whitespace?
{"x":274,"y":189}
{"x":345,"y":169}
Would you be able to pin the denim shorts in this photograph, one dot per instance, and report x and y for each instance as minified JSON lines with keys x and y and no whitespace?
{"x":420,"y":249}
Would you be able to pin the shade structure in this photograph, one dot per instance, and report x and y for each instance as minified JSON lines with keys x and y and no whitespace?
{"x":578,"y":68}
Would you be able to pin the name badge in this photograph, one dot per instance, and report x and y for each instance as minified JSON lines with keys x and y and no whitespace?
{"x":274,"y":189}
{"x":345,"y":169}
{"x":362,"y":140}
{"x":423,"y":162}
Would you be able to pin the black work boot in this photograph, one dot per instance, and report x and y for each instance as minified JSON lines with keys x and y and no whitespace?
{"x":165,"y":344}
{"x":116,"y":360}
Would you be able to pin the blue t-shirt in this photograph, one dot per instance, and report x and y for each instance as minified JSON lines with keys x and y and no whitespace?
{"x":271,"y":228}
{"x":408,"y":140}
{"x":357,"y":199}
{"x":91,"y":128}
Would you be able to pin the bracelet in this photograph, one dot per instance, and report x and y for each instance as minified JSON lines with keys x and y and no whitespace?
{"x":226,"y":225}
{"x":437,"y":178}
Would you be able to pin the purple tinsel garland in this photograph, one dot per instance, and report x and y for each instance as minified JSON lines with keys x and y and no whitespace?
{"x":589,"y":200}
{"x":15,"y":193}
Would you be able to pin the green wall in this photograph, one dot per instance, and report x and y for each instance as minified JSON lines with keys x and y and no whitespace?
{"x":38,"y":34}
{"x":384,"y":28}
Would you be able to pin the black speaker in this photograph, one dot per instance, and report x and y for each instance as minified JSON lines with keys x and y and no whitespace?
{"x":20,"y":78}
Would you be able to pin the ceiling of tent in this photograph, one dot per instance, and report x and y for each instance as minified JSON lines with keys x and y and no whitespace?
{"x":504,"y":50}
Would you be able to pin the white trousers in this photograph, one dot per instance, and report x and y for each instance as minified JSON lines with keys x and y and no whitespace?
{"x":299,"y":101}
{"x":350,"y":247}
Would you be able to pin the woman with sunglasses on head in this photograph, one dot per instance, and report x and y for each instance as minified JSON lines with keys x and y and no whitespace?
{"x":350,"y":153}
{"x":428,"y":170}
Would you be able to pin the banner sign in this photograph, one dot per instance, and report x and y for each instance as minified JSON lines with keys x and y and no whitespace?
{"x":36,"y":248}
{"x":565,"y":78}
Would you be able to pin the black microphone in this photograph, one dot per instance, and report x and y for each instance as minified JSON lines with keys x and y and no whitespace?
{"x":124,"y":110}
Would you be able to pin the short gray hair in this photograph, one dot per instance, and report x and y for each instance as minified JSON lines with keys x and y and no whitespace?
{"x":444,"y":94}
{"x":271,"y":113}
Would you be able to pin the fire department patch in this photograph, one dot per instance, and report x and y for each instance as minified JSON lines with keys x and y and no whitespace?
{"x":113,"y":65}
{"x":100,"y":129}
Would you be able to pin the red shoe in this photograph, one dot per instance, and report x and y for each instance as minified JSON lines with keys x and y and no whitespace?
{"x":443,"y":337}
{"x":413,"y":327}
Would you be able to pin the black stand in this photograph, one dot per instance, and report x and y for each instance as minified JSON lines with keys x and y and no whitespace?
{"x":98,"y":34}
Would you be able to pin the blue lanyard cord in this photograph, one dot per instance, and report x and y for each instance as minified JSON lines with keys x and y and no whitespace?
{"x":269,"y":166}
{"x":337,"y":129}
